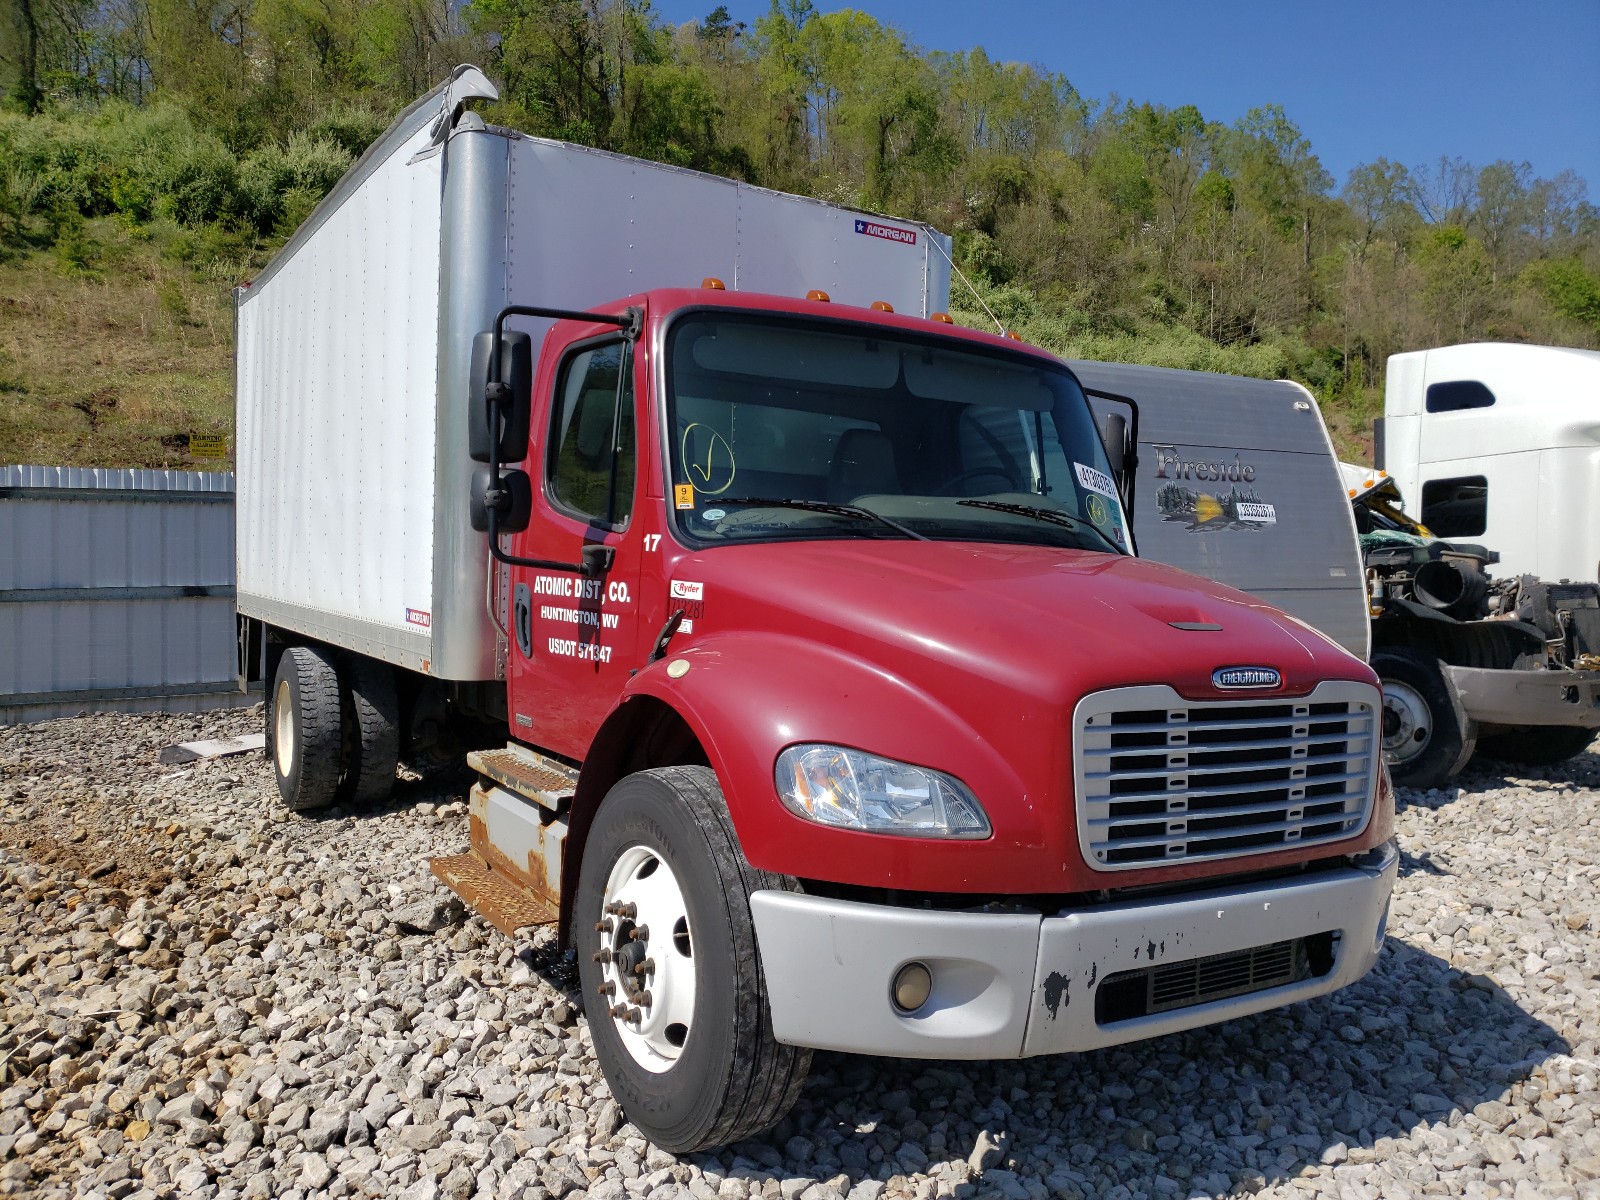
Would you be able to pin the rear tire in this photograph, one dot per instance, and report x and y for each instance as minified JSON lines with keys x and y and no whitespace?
{"x":373,"y":715}
{"x":698,"y":1066}
{"x":1540,"y":746}
{"x":306,"y":732}
{"x":1427,"y":737}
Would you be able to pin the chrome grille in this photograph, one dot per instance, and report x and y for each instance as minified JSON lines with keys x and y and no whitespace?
{"x":1162,"y":779}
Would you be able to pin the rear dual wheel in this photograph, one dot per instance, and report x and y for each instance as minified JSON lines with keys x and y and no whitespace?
{"x":671,"y":974}
{"x":332,"y":729}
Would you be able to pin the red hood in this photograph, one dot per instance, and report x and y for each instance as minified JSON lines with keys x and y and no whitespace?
{"x":1044,"y":622}
{"x":969,"y":658}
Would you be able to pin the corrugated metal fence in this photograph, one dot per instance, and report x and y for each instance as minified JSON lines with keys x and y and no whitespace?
{"x":116,"y":591}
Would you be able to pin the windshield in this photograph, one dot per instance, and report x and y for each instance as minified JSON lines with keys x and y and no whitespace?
{"x":783,"y":429}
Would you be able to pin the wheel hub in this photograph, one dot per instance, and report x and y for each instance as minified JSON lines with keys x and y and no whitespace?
{"x":647,"y":971}
{"x":1407,"y":724}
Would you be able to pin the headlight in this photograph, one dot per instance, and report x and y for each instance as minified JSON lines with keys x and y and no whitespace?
{"x":832,"y":785}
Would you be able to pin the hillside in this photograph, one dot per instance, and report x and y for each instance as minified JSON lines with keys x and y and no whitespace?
{"x":153,"y":154}
{"x":115,"y":354}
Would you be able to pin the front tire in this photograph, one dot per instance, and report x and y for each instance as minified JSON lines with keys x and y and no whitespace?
{"x":686,"y":1044}
{"x":306,"y":732}
{"x":1427,"y":737}
{"x":1539,"y":746}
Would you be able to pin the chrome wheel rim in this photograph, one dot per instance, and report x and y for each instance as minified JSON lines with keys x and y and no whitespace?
{"x":646,"y":956}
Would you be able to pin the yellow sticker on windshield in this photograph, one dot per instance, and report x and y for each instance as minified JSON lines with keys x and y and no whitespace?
{"x":683,"y":495}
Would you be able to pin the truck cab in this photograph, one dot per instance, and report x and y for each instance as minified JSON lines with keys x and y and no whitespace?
{"x":869,"y":591}
{"x":1497,"y":442}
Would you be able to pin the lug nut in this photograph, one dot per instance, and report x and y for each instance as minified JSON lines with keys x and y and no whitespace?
{"x":635,"y":1015}
{"x":622,"y":910}
{"x":603,"y":926}
{"x":619,"y":1011}
{"x":645,"y":998}
{"x":602,"y":956}
{"x":641,"y":933}
{"x":645,"y":967}
{"x":606,"y":988}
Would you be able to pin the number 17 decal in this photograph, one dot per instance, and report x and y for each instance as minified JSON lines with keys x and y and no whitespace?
{"x":652,"y":541}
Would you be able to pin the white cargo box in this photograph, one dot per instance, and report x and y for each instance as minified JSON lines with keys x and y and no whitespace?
{"x":353,"y":350}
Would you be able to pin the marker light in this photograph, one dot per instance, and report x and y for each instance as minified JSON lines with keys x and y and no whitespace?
{"x":850,"y":789}
{"x":818,"y":295}
{"x":1013,"y":335}
{"x":943,"y":318}
{"x":882,"y":306}
{"x":712,"y":284}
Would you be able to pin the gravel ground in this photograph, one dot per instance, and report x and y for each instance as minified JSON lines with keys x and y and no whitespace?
{"x":203,"y":995}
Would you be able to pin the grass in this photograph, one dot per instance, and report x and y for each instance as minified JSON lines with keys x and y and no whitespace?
{"x":115,"y":347}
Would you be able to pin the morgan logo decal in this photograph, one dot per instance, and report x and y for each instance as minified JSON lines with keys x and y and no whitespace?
{"x":419,"y":616}
{"x":888,"y":232}
{"x":1233,"y":678}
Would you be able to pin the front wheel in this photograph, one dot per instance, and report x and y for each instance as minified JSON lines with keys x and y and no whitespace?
{"x":671,"y":975}
{"x":1427,"y":738}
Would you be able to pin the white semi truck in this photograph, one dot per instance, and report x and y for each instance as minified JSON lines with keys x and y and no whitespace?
{"x":1500,"y":444}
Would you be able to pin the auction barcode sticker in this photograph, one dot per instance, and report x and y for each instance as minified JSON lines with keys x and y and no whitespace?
{"x":1261,"y":514}
{"x":1096,"y":481}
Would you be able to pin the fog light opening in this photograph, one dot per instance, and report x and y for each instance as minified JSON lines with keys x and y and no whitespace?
{"x":913,"y":984}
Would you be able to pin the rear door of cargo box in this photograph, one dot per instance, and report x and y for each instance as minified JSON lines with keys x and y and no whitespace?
{"x":1238,"y":482}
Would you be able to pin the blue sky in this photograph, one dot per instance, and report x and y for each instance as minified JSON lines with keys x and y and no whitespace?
{"x":1409,"y":80}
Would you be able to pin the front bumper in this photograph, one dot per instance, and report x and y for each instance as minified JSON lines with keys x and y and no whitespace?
{"x":1013,"y":985}
{"x":1539,"y":698}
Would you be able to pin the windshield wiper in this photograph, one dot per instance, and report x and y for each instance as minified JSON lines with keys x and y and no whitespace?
{"x":824,"y":506}
{"x":1041,"y":514}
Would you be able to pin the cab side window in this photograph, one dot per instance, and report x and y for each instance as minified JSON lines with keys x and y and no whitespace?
{"x":1456,"y":507}
{"x":592,"y":460}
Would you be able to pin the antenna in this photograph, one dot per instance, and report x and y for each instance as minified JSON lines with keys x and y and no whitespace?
{"x":968,"y":282}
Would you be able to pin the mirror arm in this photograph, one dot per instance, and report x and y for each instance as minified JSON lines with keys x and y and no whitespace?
{"x":597,"y":558}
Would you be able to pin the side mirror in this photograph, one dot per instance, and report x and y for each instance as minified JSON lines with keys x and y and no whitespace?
{"x":516,"y":378}
{"x":1114,"y":432}
{"x":511,"y":500}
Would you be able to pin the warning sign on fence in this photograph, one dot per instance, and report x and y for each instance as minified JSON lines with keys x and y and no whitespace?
{"x":208,"y":445}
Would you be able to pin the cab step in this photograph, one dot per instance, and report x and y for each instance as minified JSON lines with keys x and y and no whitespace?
{"x":502,"y":902}
{"x":528,"y":773}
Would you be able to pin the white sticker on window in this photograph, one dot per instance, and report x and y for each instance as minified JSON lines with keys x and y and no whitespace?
{"x":1097,"y":481}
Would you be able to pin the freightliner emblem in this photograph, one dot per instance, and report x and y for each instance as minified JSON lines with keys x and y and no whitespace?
{"x":1245,"y":677}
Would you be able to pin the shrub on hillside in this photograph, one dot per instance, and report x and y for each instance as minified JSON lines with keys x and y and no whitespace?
{"x":307,"y":166}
